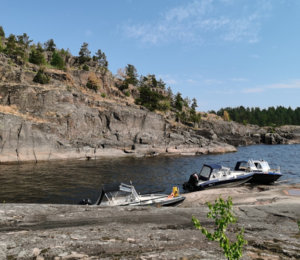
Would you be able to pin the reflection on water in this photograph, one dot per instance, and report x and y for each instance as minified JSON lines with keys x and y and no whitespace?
{"x":68,"y":182}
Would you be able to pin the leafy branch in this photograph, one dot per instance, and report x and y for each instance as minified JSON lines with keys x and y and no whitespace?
{"x":223,"y":214}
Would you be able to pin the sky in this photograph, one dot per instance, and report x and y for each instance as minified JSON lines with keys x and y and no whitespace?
{"x":224,"y":53}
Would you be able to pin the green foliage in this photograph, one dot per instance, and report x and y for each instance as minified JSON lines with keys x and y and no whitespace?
{"x":24,"y":40}
{"x":195,"y":118}
{"x":161,"y":84}
{"x":2,"y":33}
{"x":178,"y":101}
{"x":264,"y":117}
{"x":90,"y":85}
{"x":103,"y":95}
{"x":50,"y":45}
{"x":149,"y":99}
{"x":85,"y":67}
{"x":101,"y":59}
{"x":36,"y":56}
{"x":64,"y":52}
{"x":127,"y":93}
{"x":131,"y":75}
{"x":164,"y":105}
{"x":84,"y":53}
{"x":298,"y":222}
{"x":223,"y":215}
{"x":205,"y":115}
{"x":41,"y":77}
{"x":194,"y":104}
{"x":57,"y":61}
{"x":244,"y":122}
{"x":170,"y":93}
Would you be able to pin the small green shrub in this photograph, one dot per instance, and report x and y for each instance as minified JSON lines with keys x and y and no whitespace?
{"x":69,"y":88}
{"x":244,"y":122}
{"x":298,"y":222}
{"x":41,"y":77}
{"x":164,"y":105}
{"x":85,"y":67}
{"x":103,"y":95}
{"x":223,"y":214}
{"x":57,"y":61}
{"x":205,"y":115}
{"x":127,"y":93}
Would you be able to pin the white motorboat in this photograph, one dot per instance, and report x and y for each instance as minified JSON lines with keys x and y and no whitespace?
{"x":263,"y":174}
{"x":126,"y":195}
{"x":216,"y":176}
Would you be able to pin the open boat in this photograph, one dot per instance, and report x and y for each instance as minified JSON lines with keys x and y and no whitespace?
{"x":216,"y":176}
{"x":126,"y":195}
{"x":263,"y":174}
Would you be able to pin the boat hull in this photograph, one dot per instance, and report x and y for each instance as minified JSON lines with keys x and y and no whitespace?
{"x":232,"y":182}
{"x":265,"y":178}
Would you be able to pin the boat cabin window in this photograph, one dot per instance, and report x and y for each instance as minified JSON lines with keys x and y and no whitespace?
{"x":205,"y":172}
{"x":243,"y":166}
{"x":258,"y":166}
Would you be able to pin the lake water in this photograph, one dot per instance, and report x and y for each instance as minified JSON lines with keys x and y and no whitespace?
{"x":68,"y":182}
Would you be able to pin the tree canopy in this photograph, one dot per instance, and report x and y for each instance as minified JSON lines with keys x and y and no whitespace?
{"x":84,"y":53}
{"x":50,"y":45}
{"x":263,"y":117}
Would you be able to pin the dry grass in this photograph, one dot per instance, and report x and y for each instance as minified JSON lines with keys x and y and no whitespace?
{"x":14,"y":111}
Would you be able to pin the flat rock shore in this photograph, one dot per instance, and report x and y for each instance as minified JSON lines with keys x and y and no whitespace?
{"x":269,"y":215}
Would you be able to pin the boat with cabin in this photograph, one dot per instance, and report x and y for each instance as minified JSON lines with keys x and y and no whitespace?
{"x":263,"y":174}
{"x":216,"y":176}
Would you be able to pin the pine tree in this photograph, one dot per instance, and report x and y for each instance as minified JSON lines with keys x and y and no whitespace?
{"x":101,"y":58}
{"x":36,"y":56}
{"x":178,"y":101}
{"x":50,"y":45}
{"x":11,"y":44}
{"x":24,"y":40}
{"x":170,"y":93}
{"x":57,"y":61}
{"x":84,"y":53}
{"x":2,"y":33}
{"x":194,"y":104}
{"x":161,"y":84}
{"x":131,"y":75}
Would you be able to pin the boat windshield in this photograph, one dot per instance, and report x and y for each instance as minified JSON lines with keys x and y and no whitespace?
{"x":263,"y":166}
{"x":205,"y":172}
{"x":251,"y":164}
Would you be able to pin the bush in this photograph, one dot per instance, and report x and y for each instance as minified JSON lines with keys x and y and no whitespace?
{"x":37,"y":57}
{"x":127,"y":94}
{"x":93,"y":82}
{"x":164,"y":106}
{"x":149,"y":99}
{"x":223,"y":215}
{"x":103,"y":95}
{"x":57,"y":61}
{"x":85,"y":67}
{"x":41,"y":77}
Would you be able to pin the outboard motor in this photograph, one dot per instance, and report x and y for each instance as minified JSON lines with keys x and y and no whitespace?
{"x":190,"y":185}
{"x":85,"y":202}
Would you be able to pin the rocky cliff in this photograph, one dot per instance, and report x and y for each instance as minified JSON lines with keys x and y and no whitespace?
{"x":65,"y":120}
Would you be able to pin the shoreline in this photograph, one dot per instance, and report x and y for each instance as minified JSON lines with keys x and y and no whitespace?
{"x":61,"y":232}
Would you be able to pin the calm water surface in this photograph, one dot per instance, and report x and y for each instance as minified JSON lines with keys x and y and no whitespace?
{"x":68,"y":182}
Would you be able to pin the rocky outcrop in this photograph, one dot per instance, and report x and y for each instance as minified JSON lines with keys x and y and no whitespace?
{"x":52,"y":123}
{"x":66,"y":120}
{"x":268,"y":215}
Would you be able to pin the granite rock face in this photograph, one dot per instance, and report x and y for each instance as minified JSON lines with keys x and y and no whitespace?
{"x":66,"y":120}
{"x":51,"y":123}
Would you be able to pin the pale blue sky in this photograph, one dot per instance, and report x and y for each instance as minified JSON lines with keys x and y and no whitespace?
{"x":222,"y":52}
